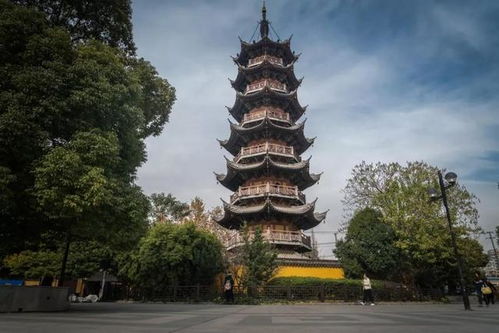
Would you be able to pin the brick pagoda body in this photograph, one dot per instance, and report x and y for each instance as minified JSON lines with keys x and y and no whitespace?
{"x":266,"y":172}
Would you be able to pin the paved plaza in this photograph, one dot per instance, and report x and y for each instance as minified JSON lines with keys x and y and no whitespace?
{"x":115,"y":317}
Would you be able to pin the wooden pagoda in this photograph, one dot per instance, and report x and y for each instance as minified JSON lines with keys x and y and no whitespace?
{"x":267,"y":173}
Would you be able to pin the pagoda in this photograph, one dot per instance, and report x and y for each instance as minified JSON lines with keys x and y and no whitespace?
{"x":266,"y":171}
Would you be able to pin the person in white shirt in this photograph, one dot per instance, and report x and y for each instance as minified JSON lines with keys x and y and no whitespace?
{"x":368,"y":292}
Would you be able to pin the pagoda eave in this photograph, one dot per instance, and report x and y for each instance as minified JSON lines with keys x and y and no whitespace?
{"x":277,"y":48}
{"x":247,"y":74}
{"x":302,"y":216}
{"x":292,"y":135}
{"x":238,"y":173}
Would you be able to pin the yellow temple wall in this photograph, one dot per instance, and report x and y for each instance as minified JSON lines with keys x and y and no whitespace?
{"x":317,"y":272}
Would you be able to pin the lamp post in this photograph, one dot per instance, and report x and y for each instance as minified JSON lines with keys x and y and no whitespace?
{"x":450,"y":180}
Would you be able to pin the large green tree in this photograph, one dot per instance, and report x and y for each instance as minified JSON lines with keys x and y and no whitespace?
{"x":400,"y":193}
{"x":173,"y":254}
{"x":368,"y":247}
{"x":74,"y":113}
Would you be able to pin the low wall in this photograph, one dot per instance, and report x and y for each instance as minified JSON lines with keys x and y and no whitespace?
{"x":17,"y":299}
{"x":317,"y":272}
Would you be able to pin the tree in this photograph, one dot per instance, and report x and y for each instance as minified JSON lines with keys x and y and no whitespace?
{"x":62,"y":84}
{"x":422,"y":235}
{"x":85,"y":258}
{"x":173,"y":254}
{"x":257,"y":258}
{"x":167,"y":208}
{"x":108,"y":21}
{"x":368,"y":247}
{"x":205,"y":220}
{"x":72,"y":184}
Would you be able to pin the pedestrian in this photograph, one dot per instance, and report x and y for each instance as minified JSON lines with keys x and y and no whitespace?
{"x":229,"y":289}
{"x":488,"y":290}
{"x":367,"y":291}
{"x":478,"y":283}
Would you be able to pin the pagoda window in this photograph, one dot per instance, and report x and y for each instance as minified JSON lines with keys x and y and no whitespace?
{"x":266,"y":112}
{"x":264,"y":148}
{"x":261,"y":84}
{"x":258,"y":60}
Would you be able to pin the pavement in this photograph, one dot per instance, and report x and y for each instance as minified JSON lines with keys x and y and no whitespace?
{"x":302,"y":318}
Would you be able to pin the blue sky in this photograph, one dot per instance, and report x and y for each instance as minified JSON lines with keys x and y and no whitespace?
{"x":385,"y":80}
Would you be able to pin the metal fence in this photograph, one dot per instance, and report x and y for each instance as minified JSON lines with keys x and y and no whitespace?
{"x":272,"y":293}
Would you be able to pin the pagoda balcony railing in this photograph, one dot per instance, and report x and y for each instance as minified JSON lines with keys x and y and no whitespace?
{"x":266,"y":113}
{"x":258,"y":60}
{"x":274,"y":85}
{"x":265,"y":148}
{"x":254,"y":191}
{"x":274,"y":237}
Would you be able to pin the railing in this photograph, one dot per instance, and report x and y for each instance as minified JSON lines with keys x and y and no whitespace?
{"x":267,"y":188}
{"x":275,"y":293}
{"x":274,"y":236}
{"x":258,"y":60}
{"x":275,"y":85}
{"x":266,"y":113}
{"x":265,"y":148}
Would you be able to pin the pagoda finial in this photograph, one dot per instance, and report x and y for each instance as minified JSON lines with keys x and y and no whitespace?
{"x":264,"y":24}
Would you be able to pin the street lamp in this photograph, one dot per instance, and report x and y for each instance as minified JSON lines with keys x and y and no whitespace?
{"x":450,"y":180}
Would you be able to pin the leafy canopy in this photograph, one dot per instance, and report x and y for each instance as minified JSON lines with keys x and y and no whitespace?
{"x":75,"y":108}
{"x":257,"y":257}
{"x":173,"y":254}
{"x":400,"y":193}
{"x":167,"y":208}
{"x":368,"y":246}
{"x":108,"y":21}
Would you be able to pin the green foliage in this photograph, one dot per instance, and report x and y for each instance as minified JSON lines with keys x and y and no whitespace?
{"x":259,"y":259}
{"x":167,"y":208}
{"x":420,"y":227}
{"x":74,"y":113}
{"x":313,"y":281}
{"x":85,"y":258}
{"x":34,"y":265}
{"x":108,"y":21}
{"x":173,"y":254}
{"x":71,"y":180}
{"x":368,"y":246}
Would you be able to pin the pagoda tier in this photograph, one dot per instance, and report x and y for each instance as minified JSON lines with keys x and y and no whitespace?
{"x":266,"y":129}
{"x":239,"y":173}
{"x":303,"y":216}
{"x":268,"y":68}
{"x":278,"y":49}
{"x":287,"y":101}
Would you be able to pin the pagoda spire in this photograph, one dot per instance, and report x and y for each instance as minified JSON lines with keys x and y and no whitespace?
{"x":264,"y":24}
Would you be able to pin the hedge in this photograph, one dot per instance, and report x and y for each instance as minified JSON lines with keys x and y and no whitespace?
{"x":313,"y":281}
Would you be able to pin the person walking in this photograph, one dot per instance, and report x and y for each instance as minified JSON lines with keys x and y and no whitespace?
{"x":478,"y":283}
{"x":229,"y":289}
{"x":367,"y":291}
{"x":488,"y":290}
